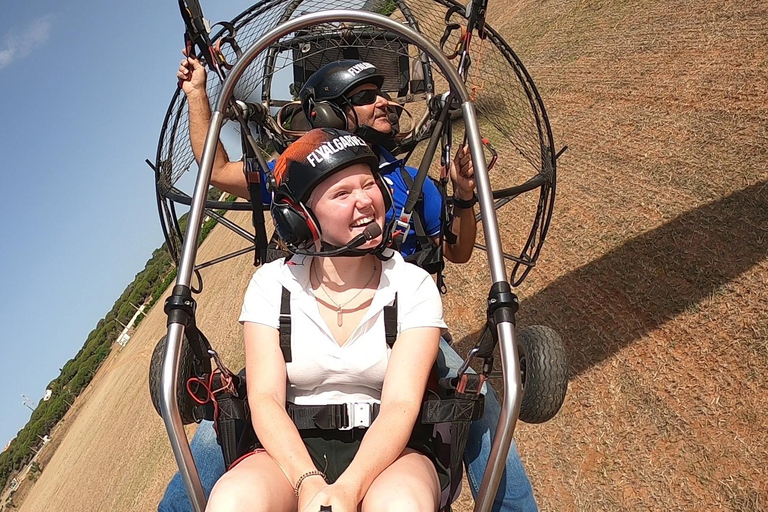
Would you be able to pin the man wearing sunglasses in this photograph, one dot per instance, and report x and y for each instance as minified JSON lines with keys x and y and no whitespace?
{"x":347,"y":95}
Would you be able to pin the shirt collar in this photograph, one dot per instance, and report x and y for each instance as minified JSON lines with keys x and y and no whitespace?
{"x":294,"y":276}
{"x":386,"y":158}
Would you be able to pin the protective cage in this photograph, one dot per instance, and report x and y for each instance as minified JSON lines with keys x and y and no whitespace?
{"x":288,"y":50}
{"x":511,"y":114}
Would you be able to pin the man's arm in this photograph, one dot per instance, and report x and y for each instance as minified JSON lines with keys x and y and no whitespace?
{"x":225,"y":175}
{"x":463,"y":225}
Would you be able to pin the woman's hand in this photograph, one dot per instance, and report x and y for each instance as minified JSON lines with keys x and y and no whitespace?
{"x":309,"y":489}
{"x":341,"y":498}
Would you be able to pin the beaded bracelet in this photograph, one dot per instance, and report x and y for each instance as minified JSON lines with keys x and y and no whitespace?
{"x":306,"y":475}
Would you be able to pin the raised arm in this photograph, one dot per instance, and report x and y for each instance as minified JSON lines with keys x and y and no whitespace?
{"x":225,"y":175}
{"x":463,"y":226}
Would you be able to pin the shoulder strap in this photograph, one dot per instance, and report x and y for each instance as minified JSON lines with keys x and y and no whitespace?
{"x":251,"y":165}
{"x":418,"y":225}
{"x":285,"y":324}
{"x":390,"y":322}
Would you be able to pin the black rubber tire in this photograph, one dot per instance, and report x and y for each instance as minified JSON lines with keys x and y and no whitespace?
{"x":186,"y":370}
{"x":544,"y":369}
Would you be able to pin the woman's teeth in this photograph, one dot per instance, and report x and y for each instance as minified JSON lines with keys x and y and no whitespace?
{"x":362,"y":222}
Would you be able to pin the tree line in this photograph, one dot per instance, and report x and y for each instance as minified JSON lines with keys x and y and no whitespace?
{"x":147,"y":287}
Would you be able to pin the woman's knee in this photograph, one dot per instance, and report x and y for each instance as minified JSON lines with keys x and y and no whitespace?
{"x":410,"y":484}
{"x":254,"y":487}
{"x":402,"y":500}
{"x":233,"y":491}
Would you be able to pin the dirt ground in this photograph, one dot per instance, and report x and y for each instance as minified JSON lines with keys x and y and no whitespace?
{"x":655,"y":274}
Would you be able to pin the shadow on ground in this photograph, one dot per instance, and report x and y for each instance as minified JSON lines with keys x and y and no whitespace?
{"x":613,"y":301}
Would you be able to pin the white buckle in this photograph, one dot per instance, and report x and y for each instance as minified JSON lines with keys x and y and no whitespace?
{"x":359,"y":414}
{"x":403,"y":224}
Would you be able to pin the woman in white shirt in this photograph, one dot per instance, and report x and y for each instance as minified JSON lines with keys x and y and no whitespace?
{"x":329,"y":208}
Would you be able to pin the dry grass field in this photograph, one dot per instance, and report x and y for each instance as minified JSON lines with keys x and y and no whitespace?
{"x":655,"y":274}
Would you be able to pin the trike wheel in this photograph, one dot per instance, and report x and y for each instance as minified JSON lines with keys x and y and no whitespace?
{"x":186,"y":370}
{"x":544,"y":372}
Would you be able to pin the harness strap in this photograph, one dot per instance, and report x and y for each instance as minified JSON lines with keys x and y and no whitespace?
{"x":361,"y":414}
{"x":199,"y":345}
{"x":333,"y":416}
{"x":460,"y":427}
{"x":285,"y":324}
{"x":452,"y":410}
{"x":418,"y":224}
{"x":231,"y":417}
{"x":390,"y":323}
{"x":253,"y":178}
{"x":429,"y":255}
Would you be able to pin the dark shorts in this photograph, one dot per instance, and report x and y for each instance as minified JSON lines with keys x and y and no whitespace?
{"x":332,"y":451}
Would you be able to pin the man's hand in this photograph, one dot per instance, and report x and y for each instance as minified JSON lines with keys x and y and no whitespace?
{"x":463,"y":174}
{"x":191,"y":75}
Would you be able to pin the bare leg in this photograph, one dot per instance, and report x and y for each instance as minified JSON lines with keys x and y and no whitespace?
{"x":256,"y":484}
{"x":410,"y":484}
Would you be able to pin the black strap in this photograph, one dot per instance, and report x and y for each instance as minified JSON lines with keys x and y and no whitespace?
{"x":487,"y":341}
{"x":336,"y":416}
{"x":418,"y":225}
{"x":448,"y":410}
{"x":390,"y":322}
{"x":197,"y":341}
{"x":285,"y":324}
{"x":253,"y":178}
{"x":429,"y":255}
{"x":325,"y":417}
{"x":232,"y":417}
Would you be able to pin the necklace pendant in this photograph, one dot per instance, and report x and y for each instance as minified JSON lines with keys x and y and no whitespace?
{"x":339,"y":318}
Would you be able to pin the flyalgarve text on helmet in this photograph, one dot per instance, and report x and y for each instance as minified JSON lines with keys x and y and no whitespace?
{"x":327,"y":149}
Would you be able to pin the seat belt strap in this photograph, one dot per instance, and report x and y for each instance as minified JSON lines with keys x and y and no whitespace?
{"x":285,"y":324}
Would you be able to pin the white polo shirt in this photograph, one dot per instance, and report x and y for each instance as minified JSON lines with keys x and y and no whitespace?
{"x":321,"y":371}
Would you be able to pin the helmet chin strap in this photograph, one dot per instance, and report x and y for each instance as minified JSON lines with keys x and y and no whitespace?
{"x":372,"y":136}
{"x":368,"y":133}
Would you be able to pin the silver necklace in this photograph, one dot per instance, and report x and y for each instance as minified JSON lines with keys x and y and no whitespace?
{"x":340,"y":307}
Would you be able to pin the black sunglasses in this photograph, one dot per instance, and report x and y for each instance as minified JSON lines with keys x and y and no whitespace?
{"x":366,"y":97}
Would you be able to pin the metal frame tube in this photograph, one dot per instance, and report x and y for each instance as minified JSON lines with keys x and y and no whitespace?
{"x":169,"y":406}
{"x":510,"y":364}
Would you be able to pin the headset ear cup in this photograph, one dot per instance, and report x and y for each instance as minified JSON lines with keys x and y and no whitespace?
{"x":294,"y":223}
{"x":327,"y":115}
{"x":291,"y":225}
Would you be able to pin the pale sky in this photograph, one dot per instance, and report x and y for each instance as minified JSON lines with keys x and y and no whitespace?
{"x":84,"y":86}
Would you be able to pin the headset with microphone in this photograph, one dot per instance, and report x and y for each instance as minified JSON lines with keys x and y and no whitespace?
{"x":307,"y":162}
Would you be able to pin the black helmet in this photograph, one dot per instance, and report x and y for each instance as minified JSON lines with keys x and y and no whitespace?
{"x":308,"y":161}
{"x":314,"y":157}
{"x":332,"y":81}
{"x":322,"y":97}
